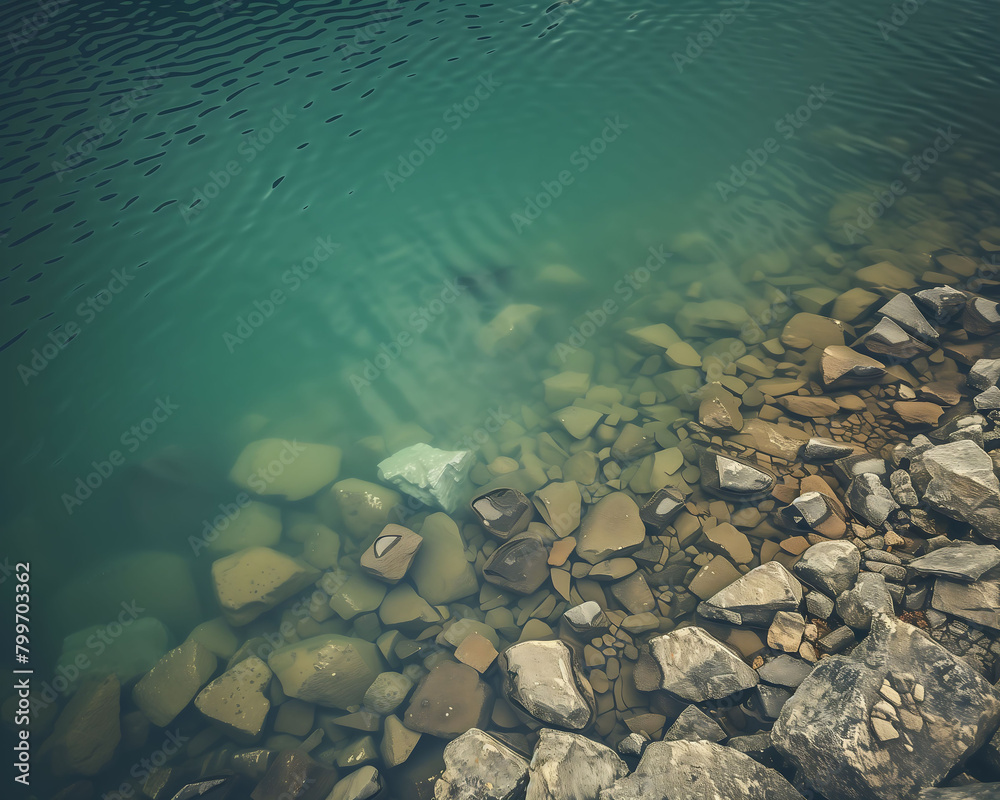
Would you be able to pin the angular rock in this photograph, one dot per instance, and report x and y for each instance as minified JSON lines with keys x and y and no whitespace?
{"x":294,"y":775}
{"x":255,"y":580}
{"x":756,"y":596}
{"x":825,"y":729}
{"x":280,"y":468}
{"x":351,"y":595}
{"x":363,"y":508}
{"x":167,"y":688}
{"x":361,"y":784}
{"x":253,"y":525}
{"x":235,"y":701}
{"x":612,"y":527}
{"x":832,"y":567}
{"x":843,"y":366}
{"x":87,"y":732}
{"x":890,"y":342}
{"x":785,"y":671}
{"x":587,"y":618}
{"x":559,"y":504}
{"x":519,"y":565}
{"x":734,"y":479}
{"x":685,"y":770}
{"x":869,"y":596}
{"x":479,"y":767}
{"x":963,"y":561}
{"x":984,"y":374}
{"x":978,"y":603}
{"x":566,"y":766}
{"x":387,"y":692}
{"x":957,"y":479}
{"x":941,"y":302}
{"x":904,"y":312}
{"x":398,"y":742}
{"x":328,"y":670}
{"x":981,"y":317}
{"x":694,"y":725}
{"x":661,"y":509}
{"x":541,"y":678}
{"x":697,"y":667}
{"x":437,"y":478}
{"x":391,"y":554}
{"x":449,"y":700}
{"x":503,"y":512}
{"x":440,"y":571}
{"x":815,"y":511}
{"x":869,"y":499}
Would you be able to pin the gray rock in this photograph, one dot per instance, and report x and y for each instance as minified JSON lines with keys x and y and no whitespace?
{"x":963,"y":561}
{"x":479,"y":767}
{"x":785,"y":670}
{"x":361,"y":784}
{"x":434,"y":477}
{"x":540,"y":677}
{"x":734,"y":479}
{"x":818,"y":605}
{"x":387,"y":692}
{"x":699,"y":771}
{"x":904,"y":312}
{"x":566,"y":766}
{"x":632,"y":745}
{"x":977,"y":791}
{"x":769,"y":700}
{"x":988,"y":400}
{"x":869,"y":596}
{"x":697,"y":667}
{"x":838,"y":639}
{"x":694,"y":725}
{"x":869,"y":499}
{"x":975,"y":602}
{"x":832,"y":567}
{"x":902,"y":488}
{"x":519,"y":565}
{"x":826,"y":729}
{"x":756,"y":596}
{"x":941,"y":302}
{"x":847,"y":469}
{"x":889,"y":339}
{"x":819,"y":450}
{"x":957,"y":479}
{"x":984,"y":374}
{"x":587,"y":618}
{"x":449,"y":700}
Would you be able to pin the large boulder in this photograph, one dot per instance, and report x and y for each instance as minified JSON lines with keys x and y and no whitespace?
{"x":479,"y":767}
{"x":540,"y":678}
{"x":957,"y":479}
{"x":566,"y":766}
{"x":684,"y":770}
{"x":894,"y":717}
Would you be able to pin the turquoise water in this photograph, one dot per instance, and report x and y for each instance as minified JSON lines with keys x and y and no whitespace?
{"x":278,"y":192}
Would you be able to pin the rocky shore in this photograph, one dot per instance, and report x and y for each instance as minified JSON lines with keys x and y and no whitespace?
{"x":746,"y":554}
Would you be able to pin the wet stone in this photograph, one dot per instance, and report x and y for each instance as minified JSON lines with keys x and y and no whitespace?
{"x":306,"y":468}
{"x":257,"y":579}
{"x":480,"y":767}
{"x":362,"y":784}
{"x":819,"y":450}
{"x":398,"y":742}
{"x":832,"y":567}
{"x":440,"y":571}
{"x":962,"y":561}
{"x":437,"y":478}
{"x":843,"y":366}
{"x":587,"y":618}
{"x":387,"y":692}
{"x":941,"y":302}
{"x":295,"y":775}
{"x":634,"y":594}
{"x":168,"y":687}
{"x":988,"y":400}
{"x":755,"y":597}
{"x":87,"y":732}
{"x":734,"y":479}
{"x":328,"y":670}
{"x":519,"y":565}
{"x":694,"y":724}
{"x":889,"y":341}
{"x":477,"y":651}
{"x":697,"y":667}
{"x":503,"y":512}
{"x":611,"y":527}
{"x":450,"y":700}
{"x":540,"y":677}
{"x":661,"y":509}
{"x":566,"y":766}
{"x":869,"y":499}
{"x":981,"y":317}
{"x":391,"y":554}
{"x":984,"y":374}
{"x":957,"y":479}
{"x":235,"y":701}
{"x":904,"y":312}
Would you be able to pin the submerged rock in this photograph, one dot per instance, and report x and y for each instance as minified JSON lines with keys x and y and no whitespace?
{"x":292,"y":470}
{"x":540,"y":677}
{"x":612,"y":527}
{"x":519,"y":565}
{"x":566,"y":766}
{"x":755,"y":597}
{"x":391,"y":554}
{"x":440,"y":571}
{"x":450,"y":700}
{"x":734,"y":479}
{"x":255,"y":580}
{"x":434,"y":477}
{"x":479,"y":767}
{"x":503,"y":512}
{"x":87,"y":732}
{"x":943,"y":710}
{"x":235,"y":700}
{"x":684,"y":770}
{"x":329,"y":670}
{"x":169,"y":686}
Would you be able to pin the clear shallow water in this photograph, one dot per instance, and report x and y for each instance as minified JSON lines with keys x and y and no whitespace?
{"x":288,"y":118}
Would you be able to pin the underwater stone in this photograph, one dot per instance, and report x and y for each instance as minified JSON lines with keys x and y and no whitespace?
{"x":330,"y":670}
{"x":503,"y":512}
{"x":255,"y":580}
{"x":286,"y":469}
{"x":168,"y":687}
{"x":434,"y":477}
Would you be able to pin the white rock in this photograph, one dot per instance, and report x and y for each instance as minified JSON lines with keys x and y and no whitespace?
{"x":434,"y":477}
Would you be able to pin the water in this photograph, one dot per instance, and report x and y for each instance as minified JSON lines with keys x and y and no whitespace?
{"x":433,"y":158}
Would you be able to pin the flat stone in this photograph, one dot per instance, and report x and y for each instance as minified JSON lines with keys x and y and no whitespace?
{"x":963,"y":561}
{"x":984,"y":374}
{"x":758,"y":595}
{"x":559,"y":503}
{"x":734,"y":542}
{"x":294,"y":775}
{"x":957,"y":479}
{"x":918,"y":412}
{"x":612,"y":527}
{"x":404,"y":608}
{"x":825,"y":730}
{"x":662,"y":508}
{"x":477,"y":651}
{"x":449,"y":700}
{"x":890,"y":342}
{"x":886,"y":274}
{"x":684,"y":770}
{"x":362,"y":784}
{"x":479,"y":767}
{"x":832,"y":567}
{"x":734,"y":479}
{"x":652,"y":339}
{"x":437,"y":478}
{"x":540,"y":677}
{"x":562,"y":389}
{"x":566,"y":766}
{"x":904,"y":312}
{"x":587,"y":618}
{"x":305,"y":468}
{"x":693,"y":724}
{"x":809,"y":406}
{"x":87,"y":732}
{"x":843,"y":366}
{"x":978,"y":602}
{"x":819,"y":450}
{"x":713,"y":577}
{"x":235,"y":701}
{"x":981,"y":317}
{"x":786,"y":631}
{"x":519,"y":565}
{"x":329,"y":670}
{"x":720,"y":410}
{"x":167,"y":688}
{"x":362,"y":507}
{"x":440,"y":571}
{"x":356,"y":594}
{"x":941,"y":302}
{"x":503,"y":512}
{"x":389,"y":557}
{"x":697,"y":667}
{"x":785,"y":671}
{"x":257,"y":579}
{"x":578,"y":421}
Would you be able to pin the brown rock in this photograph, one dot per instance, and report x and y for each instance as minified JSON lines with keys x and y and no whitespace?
{"x":886,"y":274}
{"x":842,"y":365}
{"x":917,"y":412}
{"x":809,"y":406}
{"x":448,"y":701}
{"x":612,"y":527}
{"x":391,"y":554}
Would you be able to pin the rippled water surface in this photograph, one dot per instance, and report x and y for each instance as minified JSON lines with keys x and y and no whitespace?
{"x":225,"y":221}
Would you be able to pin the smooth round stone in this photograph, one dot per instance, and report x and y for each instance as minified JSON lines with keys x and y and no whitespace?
{"x":611,"y":527}
{"x":520,"y":565}
{"x":282,"y":468}
{"x":387,"y":692}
